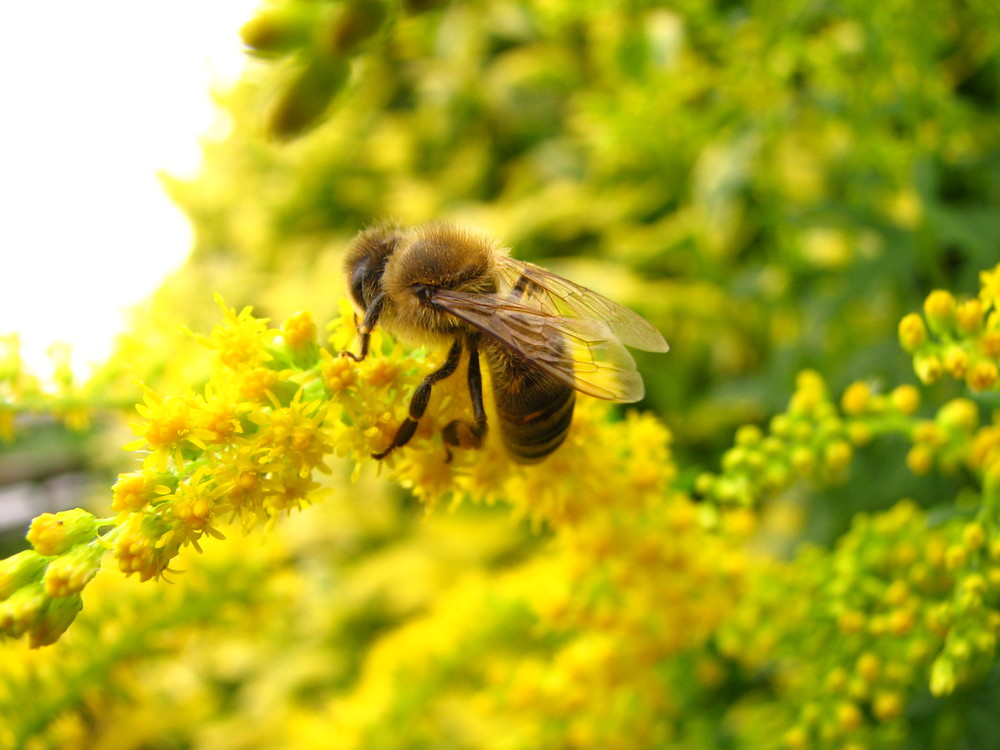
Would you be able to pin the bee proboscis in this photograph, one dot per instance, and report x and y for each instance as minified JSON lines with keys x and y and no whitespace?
{"x":543,"y":337}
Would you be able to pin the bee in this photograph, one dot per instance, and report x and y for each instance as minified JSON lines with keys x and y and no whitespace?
{"x":543,"y":337}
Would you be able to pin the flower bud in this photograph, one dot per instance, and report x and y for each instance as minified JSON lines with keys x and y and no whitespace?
{"x":282,"y":28}
{"x":306,"y":98}
{"x":54,"y":533}
{"x":989,"y":344}
{"x":943,"y":679}
{"x":20,"y":570}
{"x":837,"y":455}
{"x":959,"y":414}
{"x":912,"y":332}
{"x":58,"y":615}
{"x":928,"y":368}
{"x":21,"y":610}
{"x":849,"y":716}
{"x":969,"y":316}
{"x":939,"y":307}
{"x":905,"y":399}
{"x":71,"y":571}
{"x":887,"y":706}
{"x":352,"y":24}
{"x":299,"y":333}
{"x":855,"y":398}
{"x":982,"y":376}
{"x":955,"y":361}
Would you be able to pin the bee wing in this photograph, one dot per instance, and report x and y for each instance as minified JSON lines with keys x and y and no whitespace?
{"x":564,"y":297}
{"x":583,"y":353}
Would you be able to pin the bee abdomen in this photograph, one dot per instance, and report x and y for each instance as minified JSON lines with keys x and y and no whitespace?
{"x":534,"y":414}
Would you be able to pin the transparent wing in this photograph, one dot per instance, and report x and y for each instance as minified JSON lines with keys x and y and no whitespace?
{"x":584,"y":353}
{"x":561,"y":296}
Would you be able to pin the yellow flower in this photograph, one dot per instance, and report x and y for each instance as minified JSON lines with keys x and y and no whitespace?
{"x":959,"y":414}
{"x":134,"y":490}
{"x":190,"y":510}
{"x":928,"y":368}
{"x":989,"y":344}
{"x":240,"y":341}
{"x":969,"y":316}
{"x":138,"y":548}
{"x":912,"y":332}
{"x":299,"y":331}
{"x":849,"y":716}
{"x":855,"y":398}
{"x":837,"y":455}
{"x":955,"y":361}
{"x":905,"y":398}
{"x":943,"y":678}
{"x":982,"y":376}
{"x":990,"y":283}
{"x":295,"y":435}
{"x":171,"y":422}
{"x":257,"y":383}
{"x":339,"y":373}
{"x":219,"y":416}
{"x":887,"y":705}
{"x":939,"y":307}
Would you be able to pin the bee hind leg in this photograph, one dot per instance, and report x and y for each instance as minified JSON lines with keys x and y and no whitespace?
{"x":421,"y":397}
{"x":462,"y":433}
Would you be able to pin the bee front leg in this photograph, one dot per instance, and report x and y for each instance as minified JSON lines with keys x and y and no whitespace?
{"x":464,"y":434}
{"x":365,"y":329}
{"x":421,"y":397}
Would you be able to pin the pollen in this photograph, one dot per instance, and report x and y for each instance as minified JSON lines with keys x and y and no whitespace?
{"x":379,"y":372}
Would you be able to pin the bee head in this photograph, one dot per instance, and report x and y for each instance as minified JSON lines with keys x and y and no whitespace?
{"x":365,"y":262}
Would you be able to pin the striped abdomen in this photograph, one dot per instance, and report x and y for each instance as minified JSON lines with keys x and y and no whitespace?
{"x":534,"y":409}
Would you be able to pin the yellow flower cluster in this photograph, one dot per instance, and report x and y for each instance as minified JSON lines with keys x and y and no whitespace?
{"x":642,"y":606}
{"x":846,"y":637}
{"x":604,"y":638}
{"x":253,"y":442}
{"x":812,"y":440}
{"x":957,"y":339}
{"x":247,"y":447}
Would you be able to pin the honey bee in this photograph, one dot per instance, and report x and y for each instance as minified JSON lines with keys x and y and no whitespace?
{"x":543,"y":337}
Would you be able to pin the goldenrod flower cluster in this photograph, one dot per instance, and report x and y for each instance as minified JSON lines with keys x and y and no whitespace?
{"x":644,"y":606}
{"x":901,"y":605}
{"x":812,"y":441}
{"x":958,"y":339}
{"x":253,"y":442}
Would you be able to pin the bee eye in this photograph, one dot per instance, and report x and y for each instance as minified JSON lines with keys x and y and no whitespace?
{"x":358,"y":278}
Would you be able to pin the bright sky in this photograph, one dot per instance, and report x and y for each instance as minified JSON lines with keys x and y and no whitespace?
{"x":98,"y":97}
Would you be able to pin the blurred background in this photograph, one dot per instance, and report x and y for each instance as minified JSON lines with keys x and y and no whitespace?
{"x":772,"y":184}
{"x":102,"y":99}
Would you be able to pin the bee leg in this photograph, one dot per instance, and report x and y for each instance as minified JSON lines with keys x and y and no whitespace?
{"x":470,"y":434}
{"x":420,"y":399}
{"x":365,"y":329}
